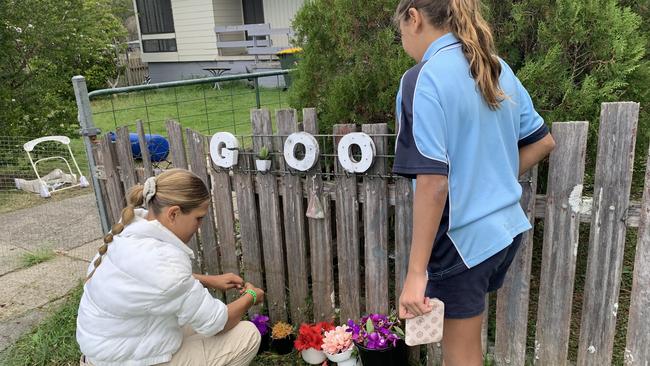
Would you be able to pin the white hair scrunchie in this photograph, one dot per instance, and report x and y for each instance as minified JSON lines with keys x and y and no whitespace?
{"x":149,"y":190}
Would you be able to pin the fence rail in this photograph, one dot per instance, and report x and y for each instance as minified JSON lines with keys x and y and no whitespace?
{"x":347,"y":262}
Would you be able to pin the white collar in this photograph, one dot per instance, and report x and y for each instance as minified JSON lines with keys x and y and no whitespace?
{"x":140,"y":227}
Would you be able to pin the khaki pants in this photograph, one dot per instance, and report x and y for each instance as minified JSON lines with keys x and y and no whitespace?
{"x":236,"y":347}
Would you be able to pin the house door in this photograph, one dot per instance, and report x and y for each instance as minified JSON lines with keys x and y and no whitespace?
{"x":253,"y":11}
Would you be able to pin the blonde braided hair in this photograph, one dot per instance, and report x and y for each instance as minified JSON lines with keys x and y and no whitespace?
{"x":174,"y":187}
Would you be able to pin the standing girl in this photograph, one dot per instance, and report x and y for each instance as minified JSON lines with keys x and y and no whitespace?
{"x":141,"y":303}
{"x":467,"y":130}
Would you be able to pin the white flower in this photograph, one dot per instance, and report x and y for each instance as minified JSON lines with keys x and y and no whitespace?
{"x":13,"y":100}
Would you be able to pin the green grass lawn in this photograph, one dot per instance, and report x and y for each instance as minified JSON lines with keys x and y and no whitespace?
{"x":200,"y":107}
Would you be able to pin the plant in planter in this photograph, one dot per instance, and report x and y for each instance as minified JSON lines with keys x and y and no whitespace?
{"x":263,"y":162}
{"x":379,"y":339}
{"x":262,"y":324}
{"x":282,"y":338}
{"x":310,"y":341}
{"x":338,"y":346}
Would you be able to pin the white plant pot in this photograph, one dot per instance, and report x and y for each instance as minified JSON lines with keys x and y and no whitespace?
{"x":343,"y":358}
{"x":313,"y":356}
{"x":263,"y":165}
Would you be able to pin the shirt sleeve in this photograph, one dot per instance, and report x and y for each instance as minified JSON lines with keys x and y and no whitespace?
{"x":192,"y":304}
{"x":531,"y":125}
{"x":421,"y":146}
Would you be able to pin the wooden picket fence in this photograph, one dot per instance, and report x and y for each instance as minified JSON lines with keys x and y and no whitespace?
{"x":354,"y":260}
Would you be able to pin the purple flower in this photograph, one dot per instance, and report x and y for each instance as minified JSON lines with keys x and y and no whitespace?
{"x":261,"y":322}
{"x":376,"y":331}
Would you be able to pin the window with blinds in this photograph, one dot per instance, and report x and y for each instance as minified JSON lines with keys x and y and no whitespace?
{"x":155,"y":16}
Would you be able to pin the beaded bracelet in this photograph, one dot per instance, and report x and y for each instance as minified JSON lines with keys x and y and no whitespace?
{"x":252,"y":293}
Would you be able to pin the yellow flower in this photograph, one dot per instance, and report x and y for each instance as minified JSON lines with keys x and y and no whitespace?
{"x":290,"y":51}
{"x":281,"y":330}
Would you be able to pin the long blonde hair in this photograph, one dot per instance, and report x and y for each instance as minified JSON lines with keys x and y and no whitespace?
{"x":463,"y":18}
{"x":174,"y":187}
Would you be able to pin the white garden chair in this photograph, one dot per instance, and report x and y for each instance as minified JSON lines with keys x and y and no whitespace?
{"x":47,"y":187}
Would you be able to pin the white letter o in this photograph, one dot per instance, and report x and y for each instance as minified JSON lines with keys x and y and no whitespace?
{"x":367,"y":147}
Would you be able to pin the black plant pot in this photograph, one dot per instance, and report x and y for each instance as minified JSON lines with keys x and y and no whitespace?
{"x":282,"y":346}
{"x":265,"y":343}
{"x":394,"y":356}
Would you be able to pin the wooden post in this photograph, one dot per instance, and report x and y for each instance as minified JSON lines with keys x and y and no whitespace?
{"x":512,"y":299}
{"x":271,"y":228}
{"x":144,"y":150}
{"x":197,"y":157}
{"x":177,"y":153}
{"x":249,"y":229}
{"x":347,"y":237}
{"x":294,"y":228}
{"x":637,"y":350}
{"x":320,"y":237}
{"x":125,"y":157}
{"x":617,"y":136}
{"x":561,"y":230}
{"x":375,"y":215}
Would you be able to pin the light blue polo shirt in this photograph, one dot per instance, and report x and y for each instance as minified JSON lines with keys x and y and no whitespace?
{"x":446,"y":127}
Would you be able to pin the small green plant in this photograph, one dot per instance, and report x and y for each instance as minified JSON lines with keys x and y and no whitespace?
{"x":264,"y":154}
{"x":39,"y":256}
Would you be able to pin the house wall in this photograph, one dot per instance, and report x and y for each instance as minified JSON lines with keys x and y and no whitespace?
{"x":194,"y":22}
{"x":280,"y":14}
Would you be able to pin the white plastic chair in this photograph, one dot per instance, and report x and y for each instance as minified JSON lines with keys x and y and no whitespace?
{"x":46,"y":189}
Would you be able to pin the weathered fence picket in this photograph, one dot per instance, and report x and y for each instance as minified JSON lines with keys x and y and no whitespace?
{"x":195,"y":143}
{"x":125,"y":158}
{"x":512,"y":299}
{"x":294,"y":228}
{"x":179,"y":160}
{"x":270,"y":223}
{"x":347,"y":236}
{"x":560,"y":248}
{"x":249,"y":225}
{"x":320,"y":236}
{"x":637,"y":350}
{"x":614,"y":164}
{"x":375,"y":218}
{"x":144,"y":150}
{"x":222,"y":202}
{"x":114,"y":188}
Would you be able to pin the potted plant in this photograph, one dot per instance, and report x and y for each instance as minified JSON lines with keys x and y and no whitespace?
{"x":262,"y":324}
{"x":310,"y":341}
{"x":338,"y":346}
{"x":282,"y":338}
{"x":379,"y":339}
{"x":263,"y":162}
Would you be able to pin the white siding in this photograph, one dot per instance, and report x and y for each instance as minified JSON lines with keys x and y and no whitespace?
{"x":280,"y":14}
{"x":194,"y":25}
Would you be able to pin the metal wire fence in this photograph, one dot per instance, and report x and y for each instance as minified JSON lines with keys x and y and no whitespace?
{"x":205,"y":105}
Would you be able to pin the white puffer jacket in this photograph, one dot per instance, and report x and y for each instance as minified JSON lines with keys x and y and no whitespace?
{"x":134,"y":306}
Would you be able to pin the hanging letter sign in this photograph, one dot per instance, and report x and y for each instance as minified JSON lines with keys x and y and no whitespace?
{"x":223,"y":149}
{"x":367,"y":147}
{"x":311,"y":151}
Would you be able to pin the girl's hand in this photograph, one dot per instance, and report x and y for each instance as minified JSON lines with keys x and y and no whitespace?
{"x":258,"y":291}
{"x":225,"y":281}
{"x":412,"y":302}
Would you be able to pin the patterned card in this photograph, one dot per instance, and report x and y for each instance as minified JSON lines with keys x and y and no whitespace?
{"x":426,"y":328}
